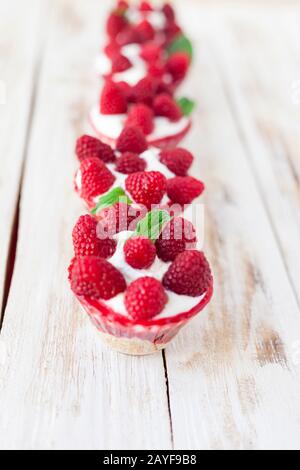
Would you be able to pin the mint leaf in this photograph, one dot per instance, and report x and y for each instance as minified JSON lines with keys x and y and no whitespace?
{"x":186,"y":105}
{"x":109,"y":199}
{"x":151,"y":225}
{"x":181,"y":44}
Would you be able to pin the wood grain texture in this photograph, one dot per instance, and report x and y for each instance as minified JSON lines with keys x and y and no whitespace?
{"x":59,"y":387}
{"x":233,"y":375}
{"x":18,"y":59}
{"x":243,"y":384}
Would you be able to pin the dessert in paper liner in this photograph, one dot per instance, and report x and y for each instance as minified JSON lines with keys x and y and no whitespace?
{"x":165,"y":135}
{"x":138,"y":338}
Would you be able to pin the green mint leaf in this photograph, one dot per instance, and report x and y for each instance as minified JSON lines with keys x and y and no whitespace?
{"x":111,"y":198}
{"x":186,"y":105}
{"x":181,"y":44}
{"x":151,"y":225}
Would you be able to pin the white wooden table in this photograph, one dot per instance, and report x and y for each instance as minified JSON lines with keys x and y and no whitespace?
{"x":231,"y":380}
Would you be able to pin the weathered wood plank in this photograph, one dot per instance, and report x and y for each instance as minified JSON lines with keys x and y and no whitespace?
{"x":234,"y":381}
{"x":261,"y":75}
{"x":18,"y":57}
{"x":59,"y":387}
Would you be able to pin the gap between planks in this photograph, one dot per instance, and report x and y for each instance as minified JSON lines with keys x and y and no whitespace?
{"x":10,"y":264}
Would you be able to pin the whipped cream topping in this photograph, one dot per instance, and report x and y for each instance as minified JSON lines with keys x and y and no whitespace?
{"x":111,"y":125}
{"x":176,"y":303}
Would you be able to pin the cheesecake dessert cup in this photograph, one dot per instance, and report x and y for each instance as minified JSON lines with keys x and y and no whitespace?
{"x":166,"y":134}
{"x":143,"y":338}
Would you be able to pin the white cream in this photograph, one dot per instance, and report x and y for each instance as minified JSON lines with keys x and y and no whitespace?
{"x":111,"y":125}
{"x":176,"y":303}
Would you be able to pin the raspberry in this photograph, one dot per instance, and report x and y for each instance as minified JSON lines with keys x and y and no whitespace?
{"x":141,"y":116}
{"x":129,"y":35}
{"x":156,"y":69}
{"x":145,"y":6}
{"x":178,"y":65}
{"x":90,"y":147}
{"x":145,"y":298}
{"x":145,"y":31}
{"x":147,"y":188}
{"x":120,"y":63}
{"x":169,"y":12}
{"x":184,"y":189}
{"x":122,"y":6}
{"x":118,"y":218}
{"x":126,"y":89}
{"x":151,"y":51}
{"x":177,"y":236}
{"x":86,"y":242}
{"x":132,"y":139}
{"x":144,"y":91}
{"x":96,"y":178}
{"x":139,"y":252}
{"x":112,"y":49}
{"x":130,"y":163}
{"x":172,"y":31}
{"x":165,"y":106}
{"x":177,"y":160}
{"x":115,"y":24}
{"x":189,"y":274}
{"x":164,"y":88}
{"x":95,"y":277}
{"x":113,"y":100}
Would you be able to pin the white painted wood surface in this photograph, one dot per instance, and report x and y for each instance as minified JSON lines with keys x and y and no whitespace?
{"x":233,"y":375}
{"x":18,"y":70}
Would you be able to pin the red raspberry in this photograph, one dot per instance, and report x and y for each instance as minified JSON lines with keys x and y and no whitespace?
{"x":112,"y":49}
{"x":144,"y":91}
{"x":151,"y":51}
{"x":132,"y":139}
{"x":169,"y":12}
{"x":130,"y":163}
{"x":189,"y":274}
{"x":86,"y":242}
{"x":172,"y":31}
{"x":184,"y":189}
{"x":178,"y":65}
{"x":147,"y":188}
{"x":165,"y":106}
{"x":96,"y":178}
{"x":120,"y":63}
{"x":126,"y":89}
{"x":164,"y":88}
{"x":141,"y":116}
{"x":113,"y":100}
{"x":139,"y":252}
{"x":145,"y":6}
{"x":145,"y":298}
{"x":145,"y":31}
{"x":177,"y":236}
{"x":118,"y":218}
{"x":95,"y":277}
{"x":129,"y":35}
{"x":122,"y":6}
{"x":177,"y":160}
{"x":156,"y":69}
{"x":115,"y":24}
{"x":89,"y":147}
